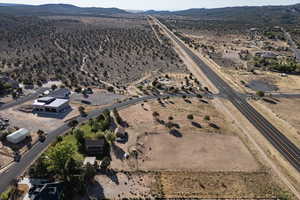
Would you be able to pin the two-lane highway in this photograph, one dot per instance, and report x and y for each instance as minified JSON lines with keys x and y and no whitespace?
{"x":289,"y":150}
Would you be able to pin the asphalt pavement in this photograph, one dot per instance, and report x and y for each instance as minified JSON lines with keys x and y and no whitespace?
{"x":280,"y":142}
{"x":18,"y":168}
{"x":23,"y":99}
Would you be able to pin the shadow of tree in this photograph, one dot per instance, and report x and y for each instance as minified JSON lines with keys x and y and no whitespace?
{"x":196,"y":124}
{"x":187,"y":101}
{"x":215,"y":126}
{"x":269,"y":101}
{"x":118,"y":152}
{"x":171,"y":102}
{"x":112,"y":174}
{"x":203,"y":101}
{"x":175,"y":133}
{"x":96,"y":191}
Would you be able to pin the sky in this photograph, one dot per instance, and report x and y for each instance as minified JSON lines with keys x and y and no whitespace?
{"x":158,"y":4}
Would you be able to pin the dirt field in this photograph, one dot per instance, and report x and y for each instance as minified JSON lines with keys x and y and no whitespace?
{"x":192,"y":139}
{"x":196,"y":152}
{"x":120,"y":185}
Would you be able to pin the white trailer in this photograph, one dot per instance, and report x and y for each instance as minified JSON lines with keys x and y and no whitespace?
{"x":18,"y":136}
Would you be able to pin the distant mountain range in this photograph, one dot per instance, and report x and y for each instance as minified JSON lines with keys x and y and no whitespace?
{"x":56,"y":9}
{"x":264,"y":14}
{"x":281,"y":14}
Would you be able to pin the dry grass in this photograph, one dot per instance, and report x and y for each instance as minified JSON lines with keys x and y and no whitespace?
{"x":218,"y":184}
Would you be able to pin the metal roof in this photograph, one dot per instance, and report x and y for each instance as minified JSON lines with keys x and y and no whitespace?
{"x":18,"y":134}
{"x":53,"y":104}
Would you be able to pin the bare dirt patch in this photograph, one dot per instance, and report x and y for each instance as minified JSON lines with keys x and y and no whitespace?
{"x":120,"y":185}
{"x":204,"y":147}
{"x":194,"y":152}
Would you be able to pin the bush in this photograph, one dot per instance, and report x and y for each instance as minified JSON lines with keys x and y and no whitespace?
{"x":260,"y":93}
{"x":190,"y":117}
{"x":59,"y":139}
{"x":155,"y":114}
{"x":3,"y":135}
{"x":207,"y":118}
{"x":5,"y":195}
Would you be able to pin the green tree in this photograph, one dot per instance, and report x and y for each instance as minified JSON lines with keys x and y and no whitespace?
{"x":110,"y":137}
{"x":190,"y":117}
{"x":53,"y":87}
{"x":89,"y":172}
{"x":70,"y":168}
{"x":260,"y":93}
{"x":105,"y":163}
{"x":41,"y":135}
{"x":81,"y":110}
{"x":79,"y":135}
{"x":73,"y":124}
{"x":58,"y":156}
{"x":207,"y":118}
{"x":39,"y":168}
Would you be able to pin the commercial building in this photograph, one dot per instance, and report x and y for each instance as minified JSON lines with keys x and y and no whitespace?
{"x":51,"y":104}
{"x":18,"y":136}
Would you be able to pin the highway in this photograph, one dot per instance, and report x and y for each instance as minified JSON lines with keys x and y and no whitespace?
{"x":289,"y":150}
{"x":28,"y":158}
{"x":292,"y":45}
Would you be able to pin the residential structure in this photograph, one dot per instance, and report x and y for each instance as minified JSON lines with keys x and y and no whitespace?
{"x":95,"y":147}
{"x":51,"y":104}
{"x":91,"y":160}
{"x":18,"y":136}
{"x":48,"y":191}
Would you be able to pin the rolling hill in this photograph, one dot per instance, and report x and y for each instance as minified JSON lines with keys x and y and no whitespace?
{"x":259,"y":14}
{"x":56,"y":9}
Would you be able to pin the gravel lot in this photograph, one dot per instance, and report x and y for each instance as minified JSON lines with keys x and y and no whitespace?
{"x":98,"y":98}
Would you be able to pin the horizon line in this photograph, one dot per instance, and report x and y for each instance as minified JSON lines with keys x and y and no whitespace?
{"x":143,"y":10}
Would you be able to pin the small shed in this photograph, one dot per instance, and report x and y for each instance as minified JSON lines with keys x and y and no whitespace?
{"x":18,"y":136}
{"x":91,"y":160}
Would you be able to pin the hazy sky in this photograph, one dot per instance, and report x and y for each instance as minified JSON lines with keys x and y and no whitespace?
{"x":159,"y":4}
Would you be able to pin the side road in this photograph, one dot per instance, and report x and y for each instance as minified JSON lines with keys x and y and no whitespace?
{"x":16,"y":169}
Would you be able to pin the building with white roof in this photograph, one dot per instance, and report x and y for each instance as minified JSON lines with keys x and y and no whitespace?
{"x":51,"y":104}
{"x":18,"y":136}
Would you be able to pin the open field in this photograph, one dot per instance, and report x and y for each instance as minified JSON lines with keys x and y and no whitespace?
{"x":192,"y":139}
{"x":120,"y":185}
{"x":191,"y":162}
{"x":194,"y":152}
